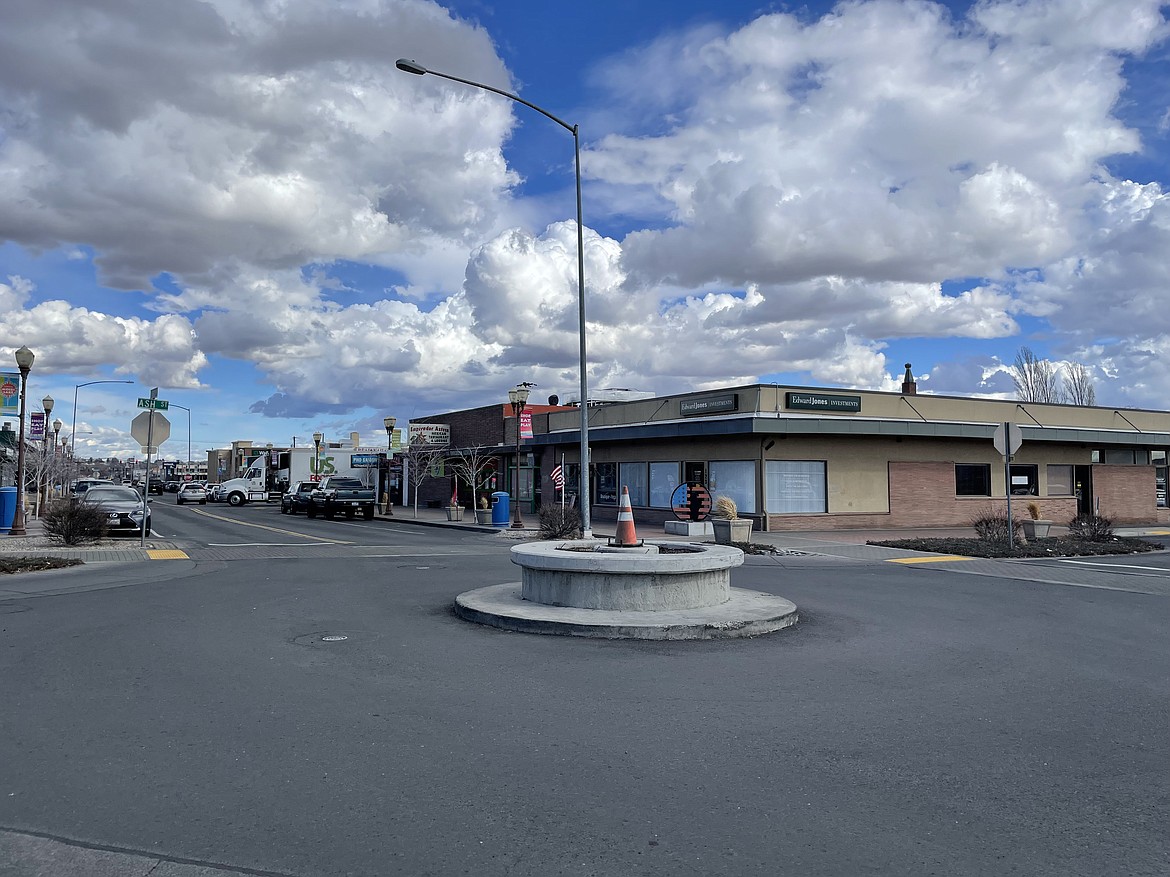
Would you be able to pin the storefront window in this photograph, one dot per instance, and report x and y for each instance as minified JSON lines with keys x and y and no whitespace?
{"x":663,"y":481}
{"x":796,"y":487}
{"x":973,"y":479}
{"x":633,"y":477}
{"x":1060,"y":480}
{"x":736,"y":479}
{"x":1024,"y":480}
{"x":606,"y":475}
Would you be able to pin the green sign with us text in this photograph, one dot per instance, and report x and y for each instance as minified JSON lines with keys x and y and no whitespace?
{"x":823,"y":402}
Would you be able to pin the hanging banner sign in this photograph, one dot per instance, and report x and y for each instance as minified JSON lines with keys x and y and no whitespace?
{"x":525,"y":424}
{"x":36,"y":431}
{"x":9,"y":393}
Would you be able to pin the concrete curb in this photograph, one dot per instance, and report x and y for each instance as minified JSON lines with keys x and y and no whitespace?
{"x":746,"y":614}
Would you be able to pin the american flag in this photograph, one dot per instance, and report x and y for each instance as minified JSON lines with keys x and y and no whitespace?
{"x":558,"y":477}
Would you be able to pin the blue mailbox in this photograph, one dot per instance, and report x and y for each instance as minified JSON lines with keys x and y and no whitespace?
{"x":501,"y":509}
{"x":7,"y":508}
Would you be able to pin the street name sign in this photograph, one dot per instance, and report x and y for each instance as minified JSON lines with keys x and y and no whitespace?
{"x":156,"y":404}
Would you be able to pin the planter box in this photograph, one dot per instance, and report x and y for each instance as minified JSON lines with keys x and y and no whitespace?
{"x":483,"y":516}
{"x":454,"y":513}
{"x":728,"y":531}
{"x":1035,"y":529}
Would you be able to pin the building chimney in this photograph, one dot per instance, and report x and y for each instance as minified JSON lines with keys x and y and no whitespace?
{"x":909,"y":385}
{"x":355,"y":438}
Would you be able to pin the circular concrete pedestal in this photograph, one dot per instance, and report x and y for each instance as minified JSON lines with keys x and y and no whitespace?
{"x":663,"y":591}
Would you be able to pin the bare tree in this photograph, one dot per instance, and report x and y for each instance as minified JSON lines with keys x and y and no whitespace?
{"x":473,"y":465}
{"x":421,"y":461}
{"x":1036,"y":380}
{"x":1078,"y":385}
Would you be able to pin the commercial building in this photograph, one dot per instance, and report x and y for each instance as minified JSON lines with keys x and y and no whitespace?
{"x":821,"y":458}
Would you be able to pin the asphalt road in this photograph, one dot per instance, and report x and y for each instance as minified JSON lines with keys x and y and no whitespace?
{"x":917,"y":721}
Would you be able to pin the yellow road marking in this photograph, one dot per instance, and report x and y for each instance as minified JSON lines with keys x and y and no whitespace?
{"x":270,"y":529}
{"x":166,"y":554}
{"x":941,"y":558}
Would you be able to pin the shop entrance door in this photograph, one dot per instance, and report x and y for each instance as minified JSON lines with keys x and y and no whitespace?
{"x":1083,"y":485}
{"x":695,"y":472}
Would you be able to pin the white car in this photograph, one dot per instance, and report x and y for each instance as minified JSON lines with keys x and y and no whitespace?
{"x":191,"y":491}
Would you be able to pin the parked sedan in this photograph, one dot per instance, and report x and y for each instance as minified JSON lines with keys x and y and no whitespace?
{"x":296,"y":498}
{"x":191,"y":491}
{"x":124,"y":507}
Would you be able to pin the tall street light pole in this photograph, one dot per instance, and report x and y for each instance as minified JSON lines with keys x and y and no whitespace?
{"x":517,"y":398}
{"x":389,"y":422}
{"x":73,"y":428}
{"x":24,"y":362}
{"x":417,"y":69}
{"x":317,"y":439}
{"x":188,"y":410}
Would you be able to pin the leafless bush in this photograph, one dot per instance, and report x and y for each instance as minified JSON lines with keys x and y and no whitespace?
{"x":559,"y":523}
{"x":991,"y":525}
{"x":1091,"y":528}
{"x":73,"y":522}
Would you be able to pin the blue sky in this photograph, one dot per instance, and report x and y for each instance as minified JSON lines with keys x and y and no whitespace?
{"x":248,"y":206}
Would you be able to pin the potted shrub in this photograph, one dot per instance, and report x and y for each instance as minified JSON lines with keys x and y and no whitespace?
{"x":728,"y":526}
{"x":1035,"y":527}
{"x":454,"y":510}
{"x":483,"y":514}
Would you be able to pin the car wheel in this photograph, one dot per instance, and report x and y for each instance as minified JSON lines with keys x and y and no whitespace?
{"x":368,"y":515}
{"x":310,"y":512}
{"x":328,"y":513}
{"x":349,"y":514}
{"x":202,"y":502}
{"x":178,"y":501}
{"x":235,"y":499}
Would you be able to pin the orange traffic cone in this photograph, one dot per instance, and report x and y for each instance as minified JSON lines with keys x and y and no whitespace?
{"x":626,"y":537}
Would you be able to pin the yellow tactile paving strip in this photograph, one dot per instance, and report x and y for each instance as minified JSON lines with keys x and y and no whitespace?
{"x":166,"y":554}
{"x":942,"y":558}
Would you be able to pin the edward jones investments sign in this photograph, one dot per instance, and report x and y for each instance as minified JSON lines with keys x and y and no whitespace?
{"x":823,"y":402}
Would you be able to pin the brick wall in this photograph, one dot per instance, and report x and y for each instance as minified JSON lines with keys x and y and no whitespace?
{"x":1126,"y":493}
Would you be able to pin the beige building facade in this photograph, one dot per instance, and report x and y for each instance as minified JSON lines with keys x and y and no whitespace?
{"x":822,"y":458}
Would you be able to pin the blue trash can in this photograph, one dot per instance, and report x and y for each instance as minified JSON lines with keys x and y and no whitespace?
{"x":501,"y":509}
{"x":7,"y":508}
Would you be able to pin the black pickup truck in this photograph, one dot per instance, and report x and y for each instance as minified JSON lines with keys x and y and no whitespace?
{"x":296,"y":498}
{"x":341,"y":493}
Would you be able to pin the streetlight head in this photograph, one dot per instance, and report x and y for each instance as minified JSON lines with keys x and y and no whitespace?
{"x":57,"y":424}
{"x":512,"y":396}
{"x":318,"y":437}
{"x":389,"y":422}
{"x":47,"y":402}
{"x":411,"y":67}
{"x":24,"y":359}
{"x":522,"y":394}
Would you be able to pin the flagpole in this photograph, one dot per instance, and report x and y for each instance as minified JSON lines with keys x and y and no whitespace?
{"x":562,"y":484}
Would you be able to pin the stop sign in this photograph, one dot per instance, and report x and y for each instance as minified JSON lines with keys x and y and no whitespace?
{"x":140,"y":428}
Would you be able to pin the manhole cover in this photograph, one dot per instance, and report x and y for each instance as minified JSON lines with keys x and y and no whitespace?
{"x":333,"y":638}
{"x":316,"y":639}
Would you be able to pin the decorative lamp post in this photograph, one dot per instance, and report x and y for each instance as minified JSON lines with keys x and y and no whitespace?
{"x":24,"y":362}
{"x":389,"y":422}
{"x":518,"y":398}
{"x":409,"y":66}
{"x":56,"y":439}
{"x":43,"y":487}
{"x":73,"y":428}
{"x":317,"y":439}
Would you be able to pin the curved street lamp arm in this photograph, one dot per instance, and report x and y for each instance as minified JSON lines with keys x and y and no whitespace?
{"x":418,"y":69}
